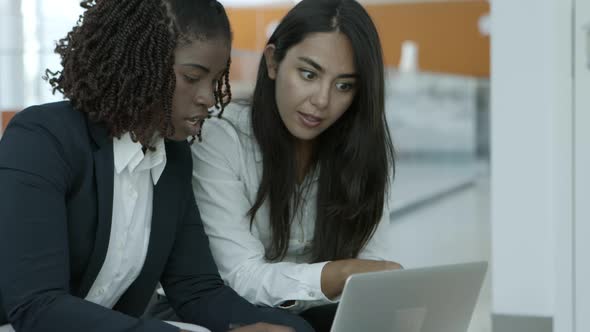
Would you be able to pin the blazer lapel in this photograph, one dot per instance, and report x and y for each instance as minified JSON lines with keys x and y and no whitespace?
{"x":104,"y":172}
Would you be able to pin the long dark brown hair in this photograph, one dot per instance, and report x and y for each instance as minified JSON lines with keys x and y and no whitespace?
{"x":355,"y":156}
{"x":118,"y":61}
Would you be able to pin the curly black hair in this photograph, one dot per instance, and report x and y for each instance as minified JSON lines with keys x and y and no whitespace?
{"x":118,"y":61}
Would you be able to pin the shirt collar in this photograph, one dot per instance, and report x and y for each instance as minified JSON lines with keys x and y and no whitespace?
{"x":129,"y":154}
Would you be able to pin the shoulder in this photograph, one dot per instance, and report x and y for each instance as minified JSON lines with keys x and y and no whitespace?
{"x":227,"y":141}
{"x":55,"y":117}
{"x":56,"y":124}
{"x":228,"y":133}
{"x":50,"y":140}
{"x":235,"y":122}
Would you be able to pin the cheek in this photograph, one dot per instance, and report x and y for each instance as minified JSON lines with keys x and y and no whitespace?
{"x":182,"y":94}
{"x":182,"y":88}
{"x":290,"y":91}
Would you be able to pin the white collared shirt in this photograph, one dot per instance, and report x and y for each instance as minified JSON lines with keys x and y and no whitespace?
{"x":226,"y":175}
{"x":135,"y":176}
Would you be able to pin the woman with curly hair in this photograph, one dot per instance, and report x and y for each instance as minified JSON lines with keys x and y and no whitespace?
{"x":306,"y":166}
{"x":96,"y":204}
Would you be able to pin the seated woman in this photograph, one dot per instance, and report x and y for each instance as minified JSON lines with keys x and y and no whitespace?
{"x":293,"y":188}
{"x":96,"y":205}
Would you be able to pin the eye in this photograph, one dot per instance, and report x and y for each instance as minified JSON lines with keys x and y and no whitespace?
{"x":307,"y":75}
{"x":344,"y":86}
{"x":190,"y":79}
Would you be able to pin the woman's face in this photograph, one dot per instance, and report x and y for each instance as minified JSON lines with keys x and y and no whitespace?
{"x":198,"y":66}
{"x":315,"y":83}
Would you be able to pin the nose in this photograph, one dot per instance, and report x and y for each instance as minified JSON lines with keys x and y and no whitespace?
{"x":321,"y":97}
{"x":205,"y":97}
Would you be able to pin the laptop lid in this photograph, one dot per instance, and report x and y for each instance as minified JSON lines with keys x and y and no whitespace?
{"x":432,"y":299}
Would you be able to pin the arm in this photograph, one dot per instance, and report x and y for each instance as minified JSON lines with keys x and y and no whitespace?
{"x":220,"y":190}
{"x":222,"y":195}
{"x":335,"y":273}
{"x":34,"y":252}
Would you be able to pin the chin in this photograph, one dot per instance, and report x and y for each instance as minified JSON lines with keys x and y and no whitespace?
{"x":308,"y":137}
{"x":302,"y":134}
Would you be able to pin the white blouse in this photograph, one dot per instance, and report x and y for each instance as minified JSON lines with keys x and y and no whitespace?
{"x":226,"y":175}
{"x":134,"y":179}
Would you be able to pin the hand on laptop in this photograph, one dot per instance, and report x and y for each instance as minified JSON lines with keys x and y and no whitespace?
{"x":335,"y":273}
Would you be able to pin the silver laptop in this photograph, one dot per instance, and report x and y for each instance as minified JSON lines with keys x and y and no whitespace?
{"x":433,"y":299}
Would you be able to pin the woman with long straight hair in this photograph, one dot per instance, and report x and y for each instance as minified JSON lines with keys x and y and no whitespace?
{"x":293,"y":187}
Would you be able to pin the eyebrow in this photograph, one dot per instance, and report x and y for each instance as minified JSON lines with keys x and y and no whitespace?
{"x":201,"y":67}
{"x":321,"y":69}
{"x":197,"y":66}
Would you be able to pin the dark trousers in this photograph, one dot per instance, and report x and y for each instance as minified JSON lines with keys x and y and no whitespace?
{"x":159,"y":308}
{"x":320,"y":318}
{"x":3,"y":318}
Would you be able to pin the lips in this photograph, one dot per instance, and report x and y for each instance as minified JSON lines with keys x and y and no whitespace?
{"x":196,"y":119}
{"x":194,"y":124}
{"x":309,"y":120}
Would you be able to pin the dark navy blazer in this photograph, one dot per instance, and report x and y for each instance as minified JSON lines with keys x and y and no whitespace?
{"x":56,"y":196}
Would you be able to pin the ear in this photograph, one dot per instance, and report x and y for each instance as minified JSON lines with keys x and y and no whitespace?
{"x":271,"y":65}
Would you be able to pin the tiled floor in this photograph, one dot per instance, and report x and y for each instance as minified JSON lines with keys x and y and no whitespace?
{"x":420,"y":181}
{"x":454,"y":228}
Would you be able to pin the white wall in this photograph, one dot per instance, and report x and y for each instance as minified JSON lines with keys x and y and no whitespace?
{"x":564,"y":177}
{"x":582,"y":166}
{"x":11,"y":48}
{"x":29,"y":30}
{"x":531,"y":152}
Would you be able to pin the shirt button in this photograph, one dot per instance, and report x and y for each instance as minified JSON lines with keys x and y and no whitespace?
{"x":100,"y":291}
{"x":311,"y":294}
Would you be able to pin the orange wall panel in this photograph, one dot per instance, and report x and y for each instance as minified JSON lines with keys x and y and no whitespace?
{"x":245,"y":30}
{"x":447,"y":35}
{"x":249,"y":25}
{"x":6,"y":116}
